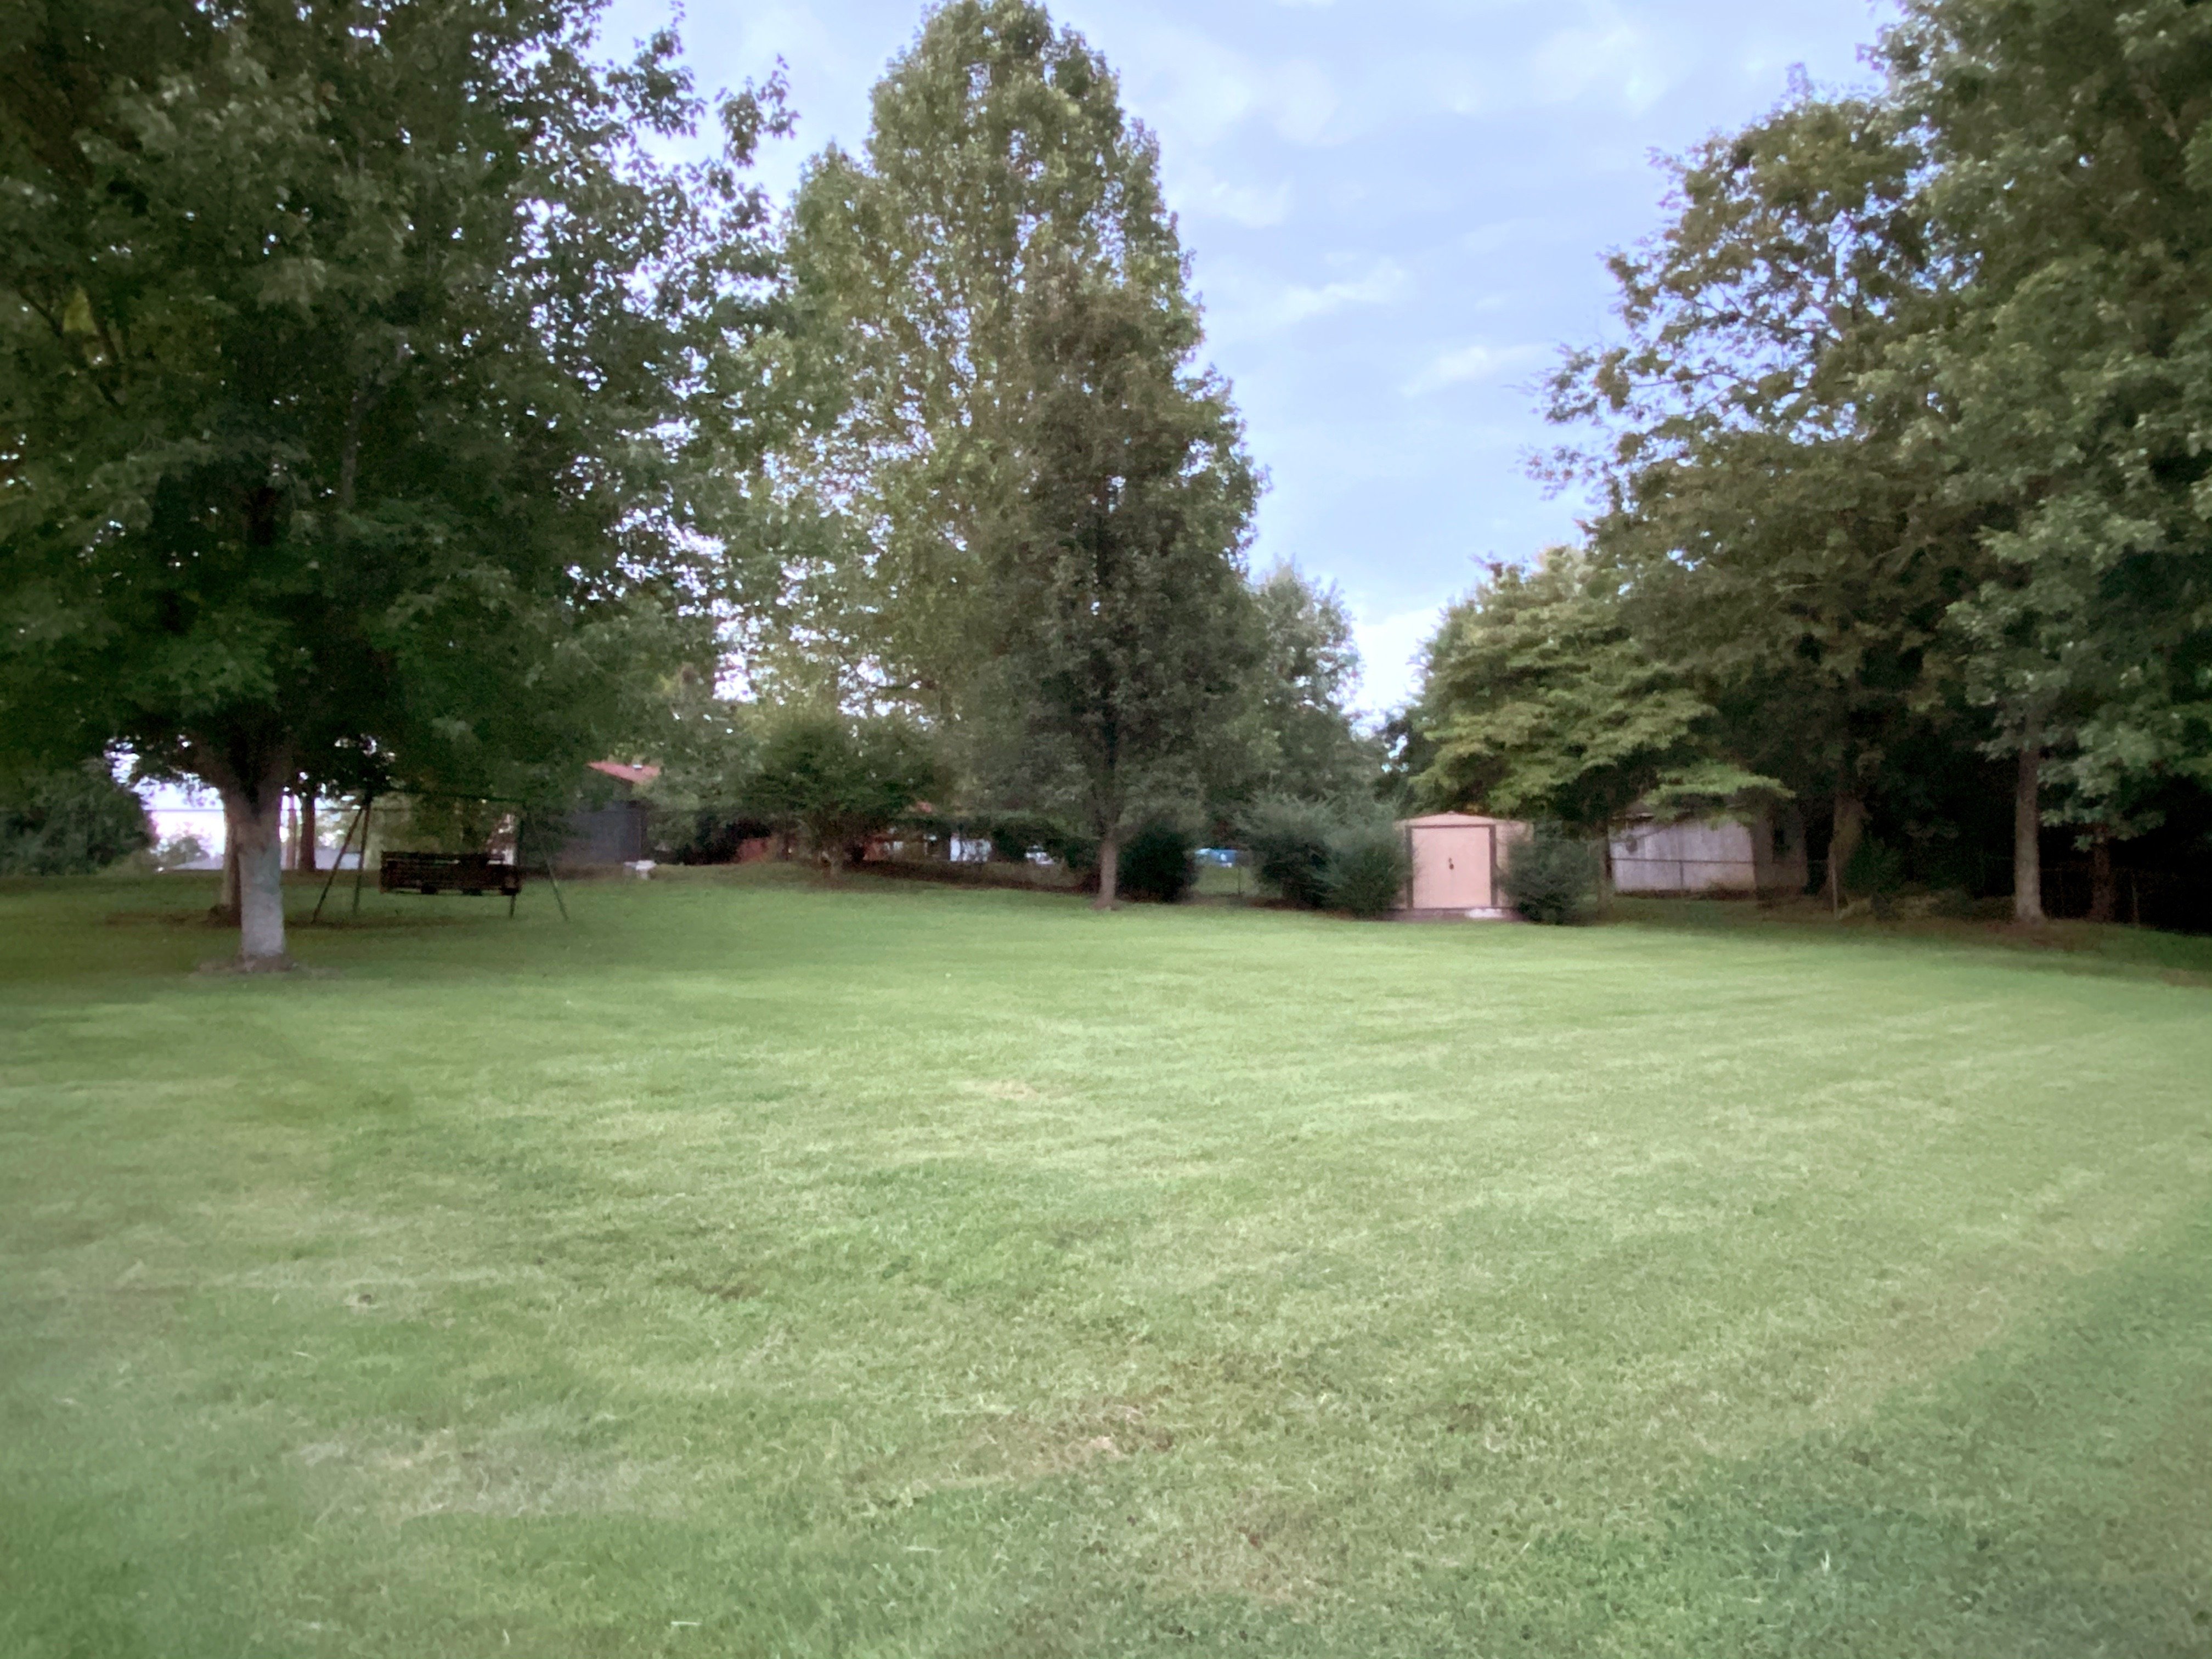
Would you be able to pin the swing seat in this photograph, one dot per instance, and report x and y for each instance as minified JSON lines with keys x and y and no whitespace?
{"x":472,"y":875}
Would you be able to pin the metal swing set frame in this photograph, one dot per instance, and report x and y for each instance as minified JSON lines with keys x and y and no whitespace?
{"x":470,"y":874}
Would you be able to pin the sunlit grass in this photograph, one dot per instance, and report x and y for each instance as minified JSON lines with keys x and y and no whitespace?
{"x":748,"y":1269}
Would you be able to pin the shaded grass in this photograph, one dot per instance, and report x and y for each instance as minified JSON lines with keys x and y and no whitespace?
{"x":746,"y":1269}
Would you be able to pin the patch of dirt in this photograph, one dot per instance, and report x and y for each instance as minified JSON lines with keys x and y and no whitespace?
{"x":261,"y":967}
{"x":1020,"y":1448}
{"x":1010,"y":1088}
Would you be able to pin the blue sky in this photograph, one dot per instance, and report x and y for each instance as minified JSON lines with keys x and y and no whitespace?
{"x":1396,"y":211}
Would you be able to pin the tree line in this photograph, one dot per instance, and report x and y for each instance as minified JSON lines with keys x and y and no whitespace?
{"x":1900,"y":464}
{"x":380,"y":411}
{"x":383,"y":412}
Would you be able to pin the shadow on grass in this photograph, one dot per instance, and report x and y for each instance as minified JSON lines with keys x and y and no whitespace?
{"x":2079,"y":947}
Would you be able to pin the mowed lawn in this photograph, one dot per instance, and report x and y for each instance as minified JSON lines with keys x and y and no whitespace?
{"x":747,"y":1269}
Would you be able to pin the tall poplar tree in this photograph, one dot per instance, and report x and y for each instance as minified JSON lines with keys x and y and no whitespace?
{"x":1043,"y":501}
{"x":998,"y":150}
{"x":1126,"y":631}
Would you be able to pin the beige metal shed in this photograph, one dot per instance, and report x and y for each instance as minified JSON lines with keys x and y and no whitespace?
{"x":1457,"y":858}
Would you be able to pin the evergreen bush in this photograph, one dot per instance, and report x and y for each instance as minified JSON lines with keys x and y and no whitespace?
{"x":1368,"y":869}
{"x":1289,"y":843}
{"x":1157,"y":864}
{"x":69,"y":823}
{"x":1552,"y":876}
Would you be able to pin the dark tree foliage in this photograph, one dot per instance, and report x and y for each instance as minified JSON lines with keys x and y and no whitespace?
{"x":1158,"y":865}
{"x":69,"y":823}
{"x":1552,"y":876}
{"x":841,"y":780}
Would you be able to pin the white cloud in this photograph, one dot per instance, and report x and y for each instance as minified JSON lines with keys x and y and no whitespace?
{"x":1242,"y":304}
{"x":1195,"y":87}
{"x":1200,"y":193}
{"x":1619,"y":61}
{"x":1384,"y":281}
{"x":1388,"y":647}
{"x":1470,"y":364}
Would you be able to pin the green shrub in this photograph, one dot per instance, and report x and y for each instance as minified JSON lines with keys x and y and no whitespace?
{"x":1156,"y":865}
{"x":1013,"y":833}
{"x":841,"y":780}
{"x":1875,"y":873}
{"x":1289,"y":843}
{"x":1075,"y":849}
{"x":1552,"y":876}
{"x":1368,"y":869}
{"x":69,"y":824}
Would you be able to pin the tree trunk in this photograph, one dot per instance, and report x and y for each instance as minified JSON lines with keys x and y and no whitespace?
{"x":254,"y":812}
{"x":303,"y":845}
{"x":1850,"y":831}
{"x":2028,"y":830}
{"x":2104,"y":885}
{"x":226,"y":896}
{"x":1110,"y":869}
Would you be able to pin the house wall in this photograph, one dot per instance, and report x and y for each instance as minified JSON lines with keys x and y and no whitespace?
{"x":1779,"y":840}
{"x":1685,"y":857}
{"x":617,"y":833}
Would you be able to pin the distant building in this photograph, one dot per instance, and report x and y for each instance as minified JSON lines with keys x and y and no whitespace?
{"x":1764,"y":853}
{"x":1456,"y":858}
{"x":615,"y":827}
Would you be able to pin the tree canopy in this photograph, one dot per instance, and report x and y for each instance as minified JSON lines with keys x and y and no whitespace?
{"x":1896,"y":460}
{"x":348,"y":356}
{"x":1031,"y":503}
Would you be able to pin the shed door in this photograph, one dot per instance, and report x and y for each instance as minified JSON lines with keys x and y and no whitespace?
{"x":1451,"y":867}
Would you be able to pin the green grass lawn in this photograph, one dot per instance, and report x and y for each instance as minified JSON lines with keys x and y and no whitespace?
{"x":746,"y":1269}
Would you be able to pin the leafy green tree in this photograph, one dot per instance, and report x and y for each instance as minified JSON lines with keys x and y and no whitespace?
{"x":2071,"y":181}
{"x":1126,"y":630}
{"x":1541,"y":702}
{"x":69,"y":823}
{"x":347,"y":361}
{"x":1779,"y":540}
{"x":1043,"y":504}
{"x":841,"y":780}
{"x":1298,"y":737}
{"x":998,"y":149}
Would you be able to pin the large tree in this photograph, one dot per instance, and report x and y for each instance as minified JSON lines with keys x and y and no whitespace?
{"x":1298,"y":731}
{"x":1029,"y":506}
{"x":998,"y":149}
{"x":1125,"y":633}
{"x":1773,"y":533}
{"x":2070,"y":185}
{"x":346,"y":354}
{"x":1539,"y":700}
